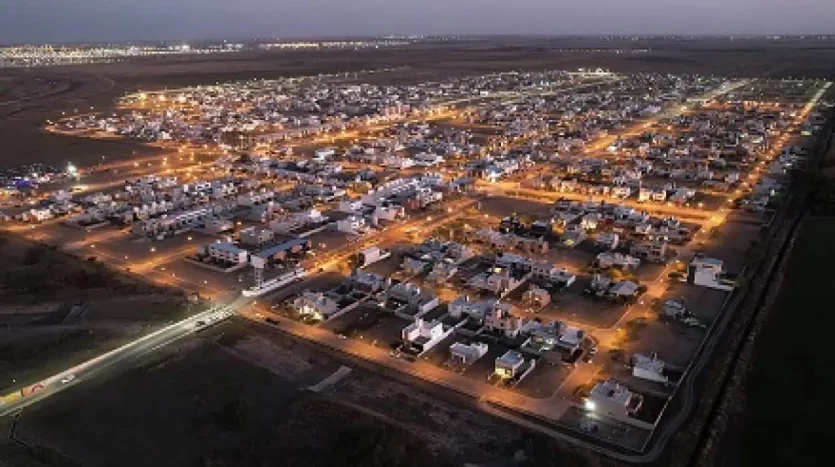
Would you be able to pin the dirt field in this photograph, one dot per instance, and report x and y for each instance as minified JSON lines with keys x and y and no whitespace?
{"x":38,"y":338}
{"x":235,"y":396}
{"x":784,"y":420}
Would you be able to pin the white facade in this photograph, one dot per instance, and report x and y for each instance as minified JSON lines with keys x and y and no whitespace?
{"x":350,"y":206}
{"x":389,"y":213}
{"x":315,"y":304}
{"x":467,"y":354}
{"x":608,"y":240}
{"x":256,"y":237}
{"x":708,"y":272}
{"x":608,"y":259}
{"x":463,"y":306}
{"x":419,"y":300}
{"x":422,"y":336}
{"x":226,"y":251}
{"x":351,"y":224}
{"x":509,"y":364}
{"x":608,"y":398}
{"x":324,"y":154}
{"x":649,"y":368}
{"x":500,"y":320}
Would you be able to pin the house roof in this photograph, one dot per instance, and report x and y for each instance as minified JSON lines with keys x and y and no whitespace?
{"x":227,"y":247}
{"x":268,"y":252}
{"x":624,"y":288}
{"x":511,"y":358}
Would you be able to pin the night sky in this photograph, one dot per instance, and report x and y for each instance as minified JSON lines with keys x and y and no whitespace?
{"x":36,"y":21}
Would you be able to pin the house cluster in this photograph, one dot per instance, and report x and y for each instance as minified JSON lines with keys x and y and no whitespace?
{"x":478,"y":324}
{"x":704,"y":150}
{"x":561,"y":122}
{"x":255,"y":244}
{"x":618,"y":291}
{"x":481,"y":323}
{"x":407,"y":145}
{"x":619,"y":227}
{"x":438,"y":260}
{"x":509,"y":271}
{"x":156,"y":207}
{"x":273,"y":111}
{"x":356,"y":289}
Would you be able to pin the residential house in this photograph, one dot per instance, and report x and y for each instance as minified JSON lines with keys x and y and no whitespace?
{"x":611,"y":399}
{"x":228,"y":252}
{"x":421,"y":336}
{"x":467,"y":354}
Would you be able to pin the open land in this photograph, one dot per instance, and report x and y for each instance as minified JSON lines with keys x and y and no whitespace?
{"x":785,"y":373}
{"x":236,"y":396}
{"x":89,"y":310}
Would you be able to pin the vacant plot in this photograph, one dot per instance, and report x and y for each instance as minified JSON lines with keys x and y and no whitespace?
{"x":90,"y":310}
{"x":203,"y":406}
{"x":790,"y":383}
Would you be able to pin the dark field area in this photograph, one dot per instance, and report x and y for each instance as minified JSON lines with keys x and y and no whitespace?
{"x":201,"y":406}
{"x":57,"y":311}
{"x":238,"y":395}
{"x":787,"y":397}
{"x":29,"y":97}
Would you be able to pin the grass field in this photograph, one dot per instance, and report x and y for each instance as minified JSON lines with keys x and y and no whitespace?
{"x":791,"y":383}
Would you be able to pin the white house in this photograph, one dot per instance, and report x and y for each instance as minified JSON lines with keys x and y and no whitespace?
{"x":422,"y":336}
{"x":610,"y":399}
{"x":225,"y":251}
{"x":428,"y":160}
{"x":323,"y":154}
{"x":351,"y":224}
{"x":649,"y":368}
{"x":570,"y":338}
{"x":609,"y":259}
{"x":608,"y":240}
{"x":368,"y":282}
{"x":509,"y":365}
{"x":352,"y":206}
{"x":411,"y":297}
{"x":708,"y":272}
{"x":389,"y":213}
{"x":500,"y":283}
{"x":500,"y":320}
{"x":256,"y":237}
{"x":467,"y":354}
{"x":463,"y":306}
{"x":315,"y":304}
{"x":590,"y":221}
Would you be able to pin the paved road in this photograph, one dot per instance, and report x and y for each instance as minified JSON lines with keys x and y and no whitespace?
{"x":14,"y":402}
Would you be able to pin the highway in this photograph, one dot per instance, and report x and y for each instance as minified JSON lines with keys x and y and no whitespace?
{"x":16,"y":401}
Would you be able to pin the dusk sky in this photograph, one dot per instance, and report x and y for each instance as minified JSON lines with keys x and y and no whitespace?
{"x":35,"y":21}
